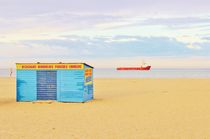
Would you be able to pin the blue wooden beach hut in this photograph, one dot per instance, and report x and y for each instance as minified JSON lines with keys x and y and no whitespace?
{"x":64,"y":82}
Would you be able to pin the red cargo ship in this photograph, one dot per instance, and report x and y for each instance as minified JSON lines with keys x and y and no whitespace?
{"x":143,"y":67}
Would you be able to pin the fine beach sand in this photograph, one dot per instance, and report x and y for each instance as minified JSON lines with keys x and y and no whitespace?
{"x":123,"y":108}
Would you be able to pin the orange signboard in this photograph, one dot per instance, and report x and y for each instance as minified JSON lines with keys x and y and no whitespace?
{"x":88,"y":76}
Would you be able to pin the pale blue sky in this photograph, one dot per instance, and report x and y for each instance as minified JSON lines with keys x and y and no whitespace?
{"x":106,"y":33}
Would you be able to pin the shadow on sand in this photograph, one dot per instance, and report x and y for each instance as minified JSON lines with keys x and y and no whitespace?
{"x":6,"y":101}
{"x":95,"y":100}
{"x":9,"y":101}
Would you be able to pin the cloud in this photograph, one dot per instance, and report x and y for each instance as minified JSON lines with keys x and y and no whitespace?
{"x":73,"y":46}
{"x":104,"y":48}
{"x":103,"y":29}
{"x":206,"y":38}
{"x":178,"y":21}
{"x":101,"y":47}
{"x":192,"y":46}
{"x":191,"y":39}
{"x":52,"y":25}
{"x":140,"y":7}
{"x":77,"y":19}
{"x":22,"y":50}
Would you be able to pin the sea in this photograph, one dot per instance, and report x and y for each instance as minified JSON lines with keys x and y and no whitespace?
{"x":153,"y":73}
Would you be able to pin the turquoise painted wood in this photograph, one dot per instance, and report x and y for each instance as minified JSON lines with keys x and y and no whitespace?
{"x":61,"y":85}
{"x":26,"y":85}
{"x":70,"y":84}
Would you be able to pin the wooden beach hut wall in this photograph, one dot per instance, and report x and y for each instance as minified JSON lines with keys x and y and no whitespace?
{"x":63,"y":82}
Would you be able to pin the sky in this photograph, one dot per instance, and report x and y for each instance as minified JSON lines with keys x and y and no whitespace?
{"x":106,"y":33}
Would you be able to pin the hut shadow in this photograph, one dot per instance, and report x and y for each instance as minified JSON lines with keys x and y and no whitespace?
{"x":7,"y":101}
{"x":95,"y":100}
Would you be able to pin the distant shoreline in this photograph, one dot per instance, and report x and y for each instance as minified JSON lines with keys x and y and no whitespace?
{"x":153,"y":73}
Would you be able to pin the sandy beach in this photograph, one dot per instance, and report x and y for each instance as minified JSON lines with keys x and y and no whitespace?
{"x":123,"y":108}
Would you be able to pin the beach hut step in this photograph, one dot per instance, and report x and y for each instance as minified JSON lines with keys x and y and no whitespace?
{"x":43,"y":102}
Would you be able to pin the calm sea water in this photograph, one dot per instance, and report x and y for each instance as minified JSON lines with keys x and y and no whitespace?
{"x":154,"y":73}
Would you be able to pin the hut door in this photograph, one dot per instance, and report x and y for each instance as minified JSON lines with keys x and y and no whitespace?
{"x":46,"y":85}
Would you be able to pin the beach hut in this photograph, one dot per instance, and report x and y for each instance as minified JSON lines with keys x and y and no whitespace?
{"x":63,"y":82}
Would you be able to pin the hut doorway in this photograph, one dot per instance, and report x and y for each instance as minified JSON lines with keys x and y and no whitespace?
{"x":46,"y":85}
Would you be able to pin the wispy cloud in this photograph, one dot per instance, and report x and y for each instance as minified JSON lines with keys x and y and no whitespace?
{"x":52,"y":25}
{"x":104,"y":29}
{"x":103,"y":47}
{"x":19,"y":50}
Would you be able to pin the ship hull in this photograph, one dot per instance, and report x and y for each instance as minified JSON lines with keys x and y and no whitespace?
{"x":134,"y":68}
